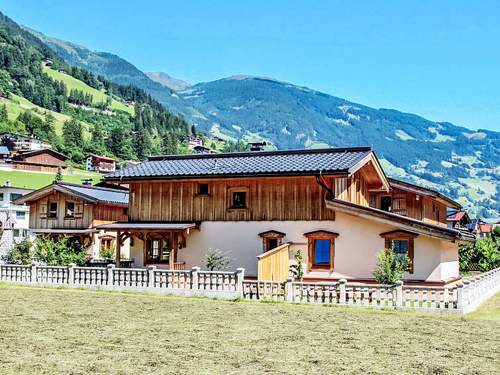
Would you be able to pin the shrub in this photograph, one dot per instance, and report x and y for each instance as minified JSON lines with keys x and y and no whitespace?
{"x":390,"y":267}
{"x":107,"y":253}
{"x":216,"y":260}
{"x":298,"y":267}
{"x":21,"y":253}
{"x":60,"y":252}
{"x":484,"y":252}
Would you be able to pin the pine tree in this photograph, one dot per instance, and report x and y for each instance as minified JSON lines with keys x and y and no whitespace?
{"x":3,"y":113}
{"x":58,"y":177}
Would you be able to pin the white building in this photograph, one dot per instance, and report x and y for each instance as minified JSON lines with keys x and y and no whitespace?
{"x":14,"y":219}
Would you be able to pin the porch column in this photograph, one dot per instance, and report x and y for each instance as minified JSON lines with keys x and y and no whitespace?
{"x":144,"y":249}
{"x":118,"y":248}
{"x":173,"y":253}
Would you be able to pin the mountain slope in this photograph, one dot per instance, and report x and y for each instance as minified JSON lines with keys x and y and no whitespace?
{"x":166,"y":80}
{"x":454,"y":160}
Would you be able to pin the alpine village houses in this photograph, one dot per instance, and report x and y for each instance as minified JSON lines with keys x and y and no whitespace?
{"x":76,"y":210}
{"x":335,"y":205}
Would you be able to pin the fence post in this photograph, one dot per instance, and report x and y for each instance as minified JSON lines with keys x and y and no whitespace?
{"x":289,"y":290}
{"x":240,"y":274}
{"x":33,"y":273}
{"x":194,"y":277}
{"x":399,"y":294}
{"x":342,"y":293}
{"x":460,"y":296}
{"x":110,"y":274}
{"x":71,"y":273}
{"x":151,"y":276}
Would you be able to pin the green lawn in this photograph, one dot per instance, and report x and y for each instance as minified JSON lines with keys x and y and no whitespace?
{"x":98,"y":95}
{"x":80,"y":332}
{"x":33,"y":180}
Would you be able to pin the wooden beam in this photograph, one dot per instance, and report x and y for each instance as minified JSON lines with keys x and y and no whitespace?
{"x":173,"y":252}
{"x":118,"y":248}
{"x":144,"y":248}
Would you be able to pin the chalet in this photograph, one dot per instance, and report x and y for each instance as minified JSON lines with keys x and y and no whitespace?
{"x":458,"y":220}
{"x":202,"y":150}
{"x":335,"y":205}
{"x":44,"y":160}
{"x":101,"y":164}
{"x":4,"y":153}
{"x":76,"y":210}
{"x":17,"y":143}
{"x":480,"y":228}
{"x":194,"y":140}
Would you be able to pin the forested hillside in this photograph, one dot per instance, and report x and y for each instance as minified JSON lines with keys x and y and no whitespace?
{"x":75,"y":110}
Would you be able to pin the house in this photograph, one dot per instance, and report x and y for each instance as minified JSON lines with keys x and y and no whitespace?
{"x":257,"y":146}
{"x":14,"y":218}
{"x":335,"y":205}
{"x":202,"y":150}
{"x":4,"y":153}
{"x":76,"y":210}
{"x":194,"y":140}
{"x":101,"y":164}
{"x":17,"y":143}
{"x":44,"y":160}
{"x":458,"y":220}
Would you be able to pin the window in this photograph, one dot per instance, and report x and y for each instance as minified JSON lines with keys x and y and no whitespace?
{"x":52,"y":210}
{"x":70,"y":210}
{"x":106,"y":243}
{"x":239,"y":199}
{"x":203,"y":189}
{"x":321,"y":254}
{"x":271,"y":239}
{"x":16,"y":233}
{"x":20,"y":215}
{"x":401,"y":242}
{"x":158,"y":250}
{"x":14,"y":196}
{"x":385,"y":203}
{"x":125,"y":211}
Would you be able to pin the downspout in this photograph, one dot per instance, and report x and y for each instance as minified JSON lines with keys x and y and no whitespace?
{"x":319,"y":180}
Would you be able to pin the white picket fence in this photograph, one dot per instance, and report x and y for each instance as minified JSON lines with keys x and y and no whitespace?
{"x":462,"y":297}
{"x":180,"y":282}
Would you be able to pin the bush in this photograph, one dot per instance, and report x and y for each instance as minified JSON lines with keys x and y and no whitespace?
{"x":21,"y":253}
{"x":298,"y":267}
{"x":60,"y":252}
{"x":484,"y":252}
{"x":216,"y":260}
{"x":390,"y":267}
{"x":107,"y":253}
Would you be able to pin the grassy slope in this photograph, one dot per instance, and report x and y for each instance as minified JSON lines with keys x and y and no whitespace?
{"x":78,"y":331}
{"x":32,"y":180}
{"x":98,"y":95}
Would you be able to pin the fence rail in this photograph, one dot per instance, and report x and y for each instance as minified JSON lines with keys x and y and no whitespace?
{"x":462,"y":297}
{"x":180,"y":282}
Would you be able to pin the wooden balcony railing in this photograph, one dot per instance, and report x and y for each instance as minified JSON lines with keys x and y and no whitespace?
{"x":274,"y":264}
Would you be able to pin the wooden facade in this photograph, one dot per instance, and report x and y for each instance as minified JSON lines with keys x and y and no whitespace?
{"x":86,"y":215}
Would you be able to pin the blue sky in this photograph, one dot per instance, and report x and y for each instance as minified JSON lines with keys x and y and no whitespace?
{"x":439,"y":59}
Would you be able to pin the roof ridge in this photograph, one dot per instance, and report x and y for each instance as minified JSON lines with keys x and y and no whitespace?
{"x":92,"y":187}
{"x":261,"y":153}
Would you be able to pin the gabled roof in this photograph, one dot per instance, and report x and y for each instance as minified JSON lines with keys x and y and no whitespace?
{"x":91,"y":194}
{"x":331,"y":161}
{"x":101,"y":157}
{"x":457,"y":216}
{"x":56,"y":154}
{"x":403,"y":185}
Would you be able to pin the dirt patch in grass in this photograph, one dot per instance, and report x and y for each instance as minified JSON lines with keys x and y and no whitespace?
{"x":76,"y":331}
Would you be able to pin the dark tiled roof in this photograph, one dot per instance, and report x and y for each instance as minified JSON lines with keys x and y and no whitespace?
{"x":259,"y":163}
{"x":100,"y":194}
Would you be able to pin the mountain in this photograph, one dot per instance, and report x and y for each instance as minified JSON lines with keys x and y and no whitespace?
{"x":462,"y":163}
{"x":168,"y":81}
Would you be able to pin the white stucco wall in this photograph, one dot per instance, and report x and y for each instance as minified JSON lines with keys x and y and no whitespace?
{"x":356,"y":247}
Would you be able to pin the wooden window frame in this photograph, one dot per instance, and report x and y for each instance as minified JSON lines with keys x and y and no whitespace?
{"x":66,"y":216}
{"x":271,"y":235}
{"x":402,"y":235}
{"x":233,"y":190}
{"x":109,"y":239}
{"x":311,"y":240}
{"x":200,"y":194}
{"x":49,"y":216}
{"x":161,"y":240}
{"x":380,"y":200}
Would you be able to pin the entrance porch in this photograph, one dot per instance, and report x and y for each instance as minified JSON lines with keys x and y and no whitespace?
{"x":160,"y":242}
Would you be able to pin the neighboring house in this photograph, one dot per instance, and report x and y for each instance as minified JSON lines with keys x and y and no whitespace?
{"x":202,"y":150}
{"x":4,"y":153}
{"x":75,"y":210}
{"x":101,"y":164}
{"x":45,"y":160}
{"x":480,"y":228}
{"x":193,"y":141}
{"x":336,"y":205}
{"x":20,"y":143}
{"x":14,"y":218}
{"x":257,"y":146}
{"x":458,"y":220}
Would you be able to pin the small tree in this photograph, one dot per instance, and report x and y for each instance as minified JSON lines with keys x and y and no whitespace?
{"x":216,"y":260}
{"x":60,"y":252}
{"x":21,"y":253}
{"x":58,"y":177}
{"x":298,"y":267}
{"x":390,"y":267}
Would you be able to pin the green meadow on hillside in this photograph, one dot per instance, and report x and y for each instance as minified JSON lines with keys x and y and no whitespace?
{"x":34,"y":180}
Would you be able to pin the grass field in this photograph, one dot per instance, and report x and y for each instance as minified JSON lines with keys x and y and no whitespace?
{"x":33,"y":180}
{"x":80,"y":332}
{"x":98,"y":95}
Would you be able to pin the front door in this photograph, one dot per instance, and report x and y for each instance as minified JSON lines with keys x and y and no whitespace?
{"x":159,"y":250}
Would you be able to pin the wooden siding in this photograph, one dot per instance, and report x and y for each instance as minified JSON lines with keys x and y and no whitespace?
{"x":274,"y":264}
{"x":405,"y":203}
{"x":38,"y":213}
{"x":104,"y":214}
{"x":42,"y":158}
{"x":271,"y":198}
{"x":352,"y":189}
